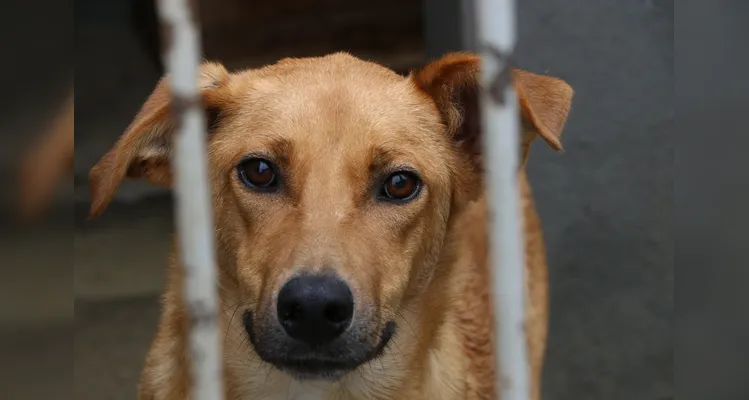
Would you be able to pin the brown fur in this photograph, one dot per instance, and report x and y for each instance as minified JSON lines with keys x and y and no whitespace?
{"x":47,"y":162}
{"x":331,"y":123}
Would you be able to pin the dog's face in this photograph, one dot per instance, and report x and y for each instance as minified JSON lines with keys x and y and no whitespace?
{"x":334,"y":182}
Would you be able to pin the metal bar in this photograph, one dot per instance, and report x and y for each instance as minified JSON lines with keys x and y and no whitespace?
{"x":496,"y":32}
{"x":193,"y":200}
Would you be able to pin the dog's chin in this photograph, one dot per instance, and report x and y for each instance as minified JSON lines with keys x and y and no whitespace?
{"x":330,"y":373}
{"x":328,"y":363}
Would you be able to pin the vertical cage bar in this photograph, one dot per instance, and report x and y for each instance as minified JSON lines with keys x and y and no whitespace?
{"x":194,"y":220}
{"x":496,"y":38}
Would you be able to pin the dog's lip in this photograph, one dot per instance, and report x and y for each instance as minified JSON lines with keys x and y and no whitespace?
{"x":313,"y":367}
{"x":387,"y":334}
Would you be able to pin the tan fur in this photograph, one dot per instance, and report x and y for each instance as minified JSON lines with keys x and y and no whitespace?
{"x":47,"y":162}
{"x":329,"y":122}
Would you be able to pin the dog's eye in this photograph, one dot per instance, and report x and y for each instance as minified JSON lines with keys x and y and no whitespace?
{"x":401,"y":186}
{"x":258,"y":174}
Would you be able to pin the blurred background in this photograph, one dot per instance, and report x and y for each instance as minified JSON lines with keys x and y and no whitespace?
{"x":606,"y":203}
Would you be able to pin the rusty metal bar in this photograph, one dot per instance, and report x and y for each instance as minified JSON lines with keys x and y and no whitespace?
{"x":496,"y":38}
{"x":192,"y":195}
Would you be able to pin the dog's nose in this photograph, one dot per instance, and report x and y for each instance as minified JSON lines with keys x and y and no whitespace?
{"x":315,"y":309}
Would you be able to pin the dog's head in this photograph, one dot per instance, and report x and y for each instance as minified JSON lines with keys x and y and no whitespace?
{"x":334,"y":185}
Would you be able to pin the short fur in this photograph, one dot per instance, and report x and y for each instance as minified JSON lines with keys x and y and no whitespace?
{"x":332,"y":123}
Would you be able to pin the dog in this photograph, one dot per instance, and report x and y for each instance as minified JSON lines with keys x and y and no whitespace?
{"x":47,"y":162}
{"x":351,"y":228}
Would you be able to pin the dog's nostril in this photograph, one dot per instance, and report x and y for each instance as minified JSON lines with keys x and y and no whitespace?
{"x":315,"y":309}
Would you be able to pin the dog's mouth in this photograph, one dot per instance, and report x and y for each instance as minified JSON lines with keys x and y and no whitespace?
{"x":328,"y":362}
{"x":315,"y":367}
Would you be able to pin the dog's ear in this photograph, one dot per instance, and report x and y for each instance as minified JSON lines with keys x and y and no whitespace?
{"x":452,"y":82}
{"x":144,"y":149}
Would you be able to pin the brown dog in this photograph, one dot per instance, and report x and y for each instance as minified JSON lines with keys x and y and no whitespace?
{"x":351,"y":229}
{"x":47,"y":162}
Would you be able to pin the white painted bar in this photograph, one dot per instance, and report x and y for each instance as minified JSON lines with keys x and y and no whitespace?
{"x":194,"y":212}
{"x":496,"y":28}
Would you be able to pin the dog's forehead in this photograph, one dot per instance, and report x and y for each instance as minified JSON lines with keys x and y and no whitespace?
{"x":336,"y":99}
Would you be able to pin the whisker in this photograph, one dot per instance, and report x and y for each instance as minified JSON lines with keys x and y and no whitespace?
{"x":228,"y":327}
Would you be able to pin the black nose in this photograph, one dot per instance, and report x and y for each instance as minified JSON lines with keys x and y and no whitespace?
{"x":315,"y":309}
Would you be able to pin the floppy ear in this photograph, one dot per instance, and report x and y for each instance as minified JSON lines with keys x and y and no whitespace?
{"x":144,"y":149}
{"x":452,"y":82}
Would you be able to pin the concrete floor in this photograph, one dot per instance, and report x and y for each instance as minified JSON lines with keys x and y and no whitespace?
{"x":121,"y":331}
{"x":36,"y":363}
{"x":119,"y":272}
{"x":117,"y":275}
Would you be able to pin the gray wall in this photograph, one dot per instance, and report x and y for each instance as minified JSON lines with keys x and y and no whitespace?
{"x":606,"y":203}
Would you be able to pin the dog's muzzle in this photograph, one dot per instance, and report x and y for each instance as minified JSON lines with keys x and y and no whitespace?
{"x":313,"y":333}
